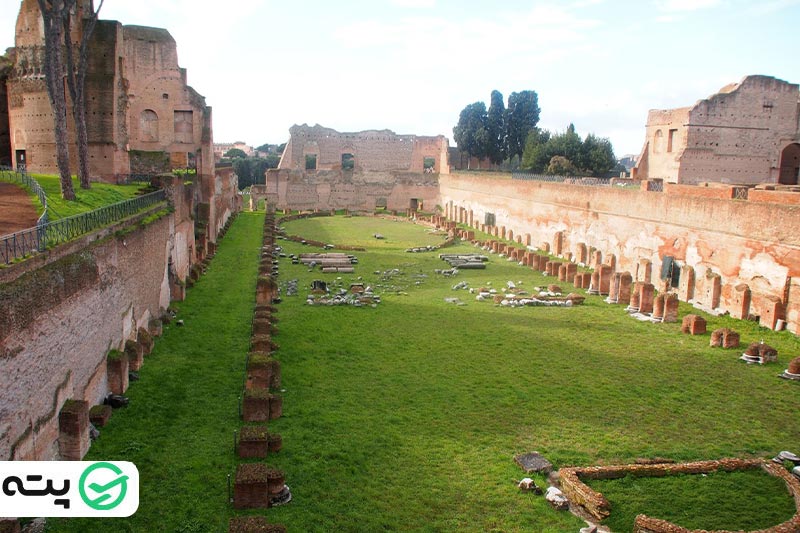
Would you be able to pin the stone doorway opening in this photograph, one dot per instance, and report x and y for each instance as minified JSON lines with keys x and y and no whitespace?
{"x":21,"y":164}
{"x":790,"y":165}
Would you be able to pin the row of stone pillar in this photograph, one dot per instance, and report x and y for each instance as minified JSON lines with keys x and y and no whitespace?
{"x":256,"y":485}
{"x":704,"y":289}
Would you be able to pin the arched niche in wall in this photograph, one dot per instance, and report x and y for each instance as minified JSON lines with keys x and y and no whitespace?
{"x":148,"y":126}
{"x":790,"y":165}
{"x":658,"y":142}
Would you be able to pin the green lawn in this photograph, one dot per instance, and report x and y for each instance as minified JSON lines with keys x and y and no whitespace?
{"x":406,"y":417}
{"x":101,"y":194}
{"x":178,"y":428}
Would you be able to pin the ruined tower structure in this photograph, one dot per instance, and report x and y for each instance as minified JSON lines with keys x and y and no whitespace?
{"x":322,"y":168}
{"x":142,"y":117}
{"x":746,"y":134}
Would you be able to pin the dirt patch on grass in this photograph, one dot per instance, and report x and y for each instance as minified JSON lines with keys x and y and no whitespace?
{"x":16,"y":209}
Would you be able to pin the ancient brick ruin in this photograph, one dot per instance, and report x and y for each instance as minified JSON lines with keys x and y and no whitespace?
{"x":142,"y":117}
{"x":748,"y":133}
{"x":325,"y":169}
{"x":671,"y":240}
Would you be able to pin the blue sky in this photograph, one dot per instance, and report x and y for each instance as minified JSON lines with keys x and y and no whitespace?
{"x":412,"y":65}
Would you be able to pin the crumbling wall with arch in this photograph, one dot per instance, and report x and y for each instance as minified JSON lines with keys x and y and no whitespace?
{"x":735,"y":136}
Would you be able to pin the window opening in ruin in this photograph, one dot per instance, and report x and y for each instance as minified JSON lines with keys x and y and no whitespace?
{"x":348,"y":162}
{"x":184,"y":130}
{"x":380,"y":203}
{"x":311,"y":161}
{"x":21,"y":165}
{"x":488,"y":219}
{"x":415,"y":204}
{"x":428,"y":164}
{"x":658,"y":141}
{"x":165,"y":96}
{"x":790,"y":165}
{"x":671,"y":271}
{"x":671,"y":139}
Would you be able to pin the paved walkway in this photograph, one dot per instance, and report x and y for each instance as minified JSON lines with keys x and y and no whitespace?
{"x":17,"y":211}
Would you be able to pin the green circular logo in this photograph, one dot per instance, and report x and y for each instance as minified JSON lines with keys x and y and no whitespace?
{"x":103,"y":490}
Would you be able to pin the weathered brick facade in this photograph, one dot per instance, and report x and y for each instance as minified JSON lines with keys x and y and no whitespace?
{"x":745,"y":134}
{"x":142,"y":117}
{"x":756,"y":251}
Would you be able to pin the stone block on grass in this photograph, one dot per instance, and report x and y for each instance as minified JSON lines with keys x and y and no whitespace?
{"x":99,"y":415}
{"x":253,"y":442}
{"x":693,"y":325}
{"x":263,"y":372}
{"x":256,"y":405}
{"x":262,"y":343}
{"x":251,"y":486}
{"x":73,"y":430}
{"x":135,"y":354}
{"x":117,"y":367}
{"x":145,"y":340}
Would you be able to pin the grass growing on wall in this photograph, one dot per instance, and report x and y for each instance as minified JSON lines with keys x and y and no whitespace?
{"x":101,"y":194}
{"x":407,"y":416}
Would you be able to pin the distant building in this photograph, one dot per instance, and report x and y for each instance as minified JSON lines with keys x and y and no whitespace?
{"x":748,"y":133}
{"x":320,"y":148}
{"x":220,"y":149}
{"x":628,"y":161}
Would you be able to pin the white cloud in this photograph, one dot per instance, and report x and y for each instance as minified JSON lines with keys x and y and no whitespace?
{"x":686,"y":5}
{"x":768,"y":7}
{"x":415,"y":4}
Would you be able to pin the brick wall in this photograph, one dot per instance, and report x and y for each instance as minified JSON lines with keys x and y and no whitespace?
{"x":64,"y":310}
{"x":360,"y":191}
{"x":373,"y":150}
{"x":735,"y":136}
{"x":756,"y":245}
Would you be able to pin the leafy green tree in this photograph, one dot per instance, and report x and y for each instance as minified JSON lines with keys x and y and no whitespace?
{"x":235,"y":153}
{"x":597,"y":156}
{"x":522,"y":116}
{"x":251,"y":171}
{"x":534,"y":157}
{"x":470,"y":133}
{"x":561,"y":166}
{"x":496,"y":128}
{"x":594,"y":156}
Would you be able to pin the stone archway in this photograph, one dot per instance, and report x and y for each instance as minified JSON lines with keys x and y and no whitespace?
{"x":790,"y":165}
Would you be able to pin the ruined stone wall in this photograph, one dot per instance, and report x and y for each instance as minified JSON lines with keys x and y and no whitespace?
{"x":666,"y":136}
{"x":358,"y":191}
{"x":736,"y":136}
{"x":137,"y":98}
{"x":5,"y":134}
{"x":164,"y":114}
{"x":756,"y":247}
{"x":65,"y":318}
{"x":226,"y":199}
{"x":64,"y":310}
{"x":372,"y":151}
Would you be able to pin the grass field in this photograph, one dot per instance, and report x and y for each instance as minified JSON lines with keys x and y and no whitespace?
{"x":406,"y":417}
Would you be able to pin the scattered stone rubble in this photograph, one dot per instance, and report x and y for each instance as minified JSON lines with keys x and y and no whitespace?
{"x":331,"y":262}
{"x":760,"y":353}
{"x":465,"y":261}
{"x":793,"y":372}
{"x":358,"y":295}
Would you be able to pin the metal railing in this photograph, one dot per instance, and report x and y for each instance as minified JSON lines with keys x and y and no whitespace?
{"x":569,"y":180}
{"x":26,"y":242}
